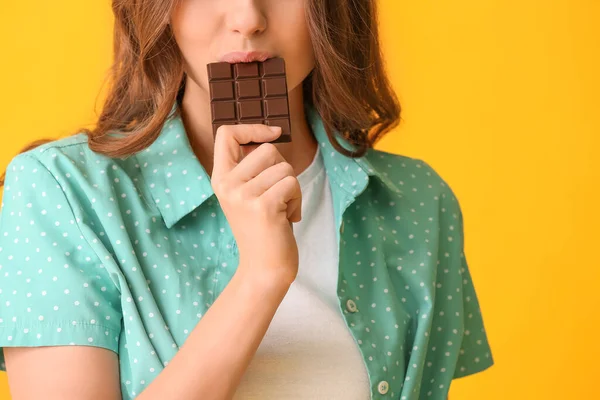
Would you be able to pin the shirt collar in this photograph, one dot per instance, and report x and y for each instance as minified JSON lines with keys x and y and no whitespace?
{"x":179,"y":184}
{"x":351,"y":174}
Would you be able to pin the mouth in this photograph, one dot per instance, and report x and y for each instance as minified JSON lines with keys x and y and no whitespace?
{"x":245,"y":56}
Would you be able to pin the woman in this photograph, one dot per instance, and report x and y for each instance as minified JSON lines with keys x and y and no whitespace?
{"x":320,"y":268}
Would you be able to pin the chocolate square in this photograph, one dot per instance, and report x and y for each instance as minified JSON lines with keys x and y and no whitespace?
{"x":250,"y":93}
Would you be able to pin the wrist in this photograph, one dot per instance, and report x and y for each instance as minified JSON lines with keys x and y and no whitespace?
{"x":262,"y":282}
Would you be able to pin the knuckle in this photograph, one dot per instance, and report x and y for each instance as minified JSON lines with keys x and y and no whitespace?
{"x":220,"y":186}
{"x":260,"y":207}
{"x":238,"y":196}
{"x":269,"y":148}
{"x":224,"y":130}
{"x":291,"y":180}
{"x":287,"y":168}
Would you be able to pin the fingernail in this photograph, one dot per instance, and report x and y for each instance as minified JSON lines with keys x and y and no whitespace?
{"x":275,"y":129}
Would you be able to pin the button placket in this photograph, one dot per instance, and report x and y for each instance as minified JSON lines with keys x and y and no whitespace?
{"x":383,"y":386}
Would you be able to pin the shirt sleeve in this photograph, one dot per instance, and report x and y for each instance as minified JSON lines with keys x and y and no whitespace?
{"x":54,"y":289}
{"x":475,"y":354}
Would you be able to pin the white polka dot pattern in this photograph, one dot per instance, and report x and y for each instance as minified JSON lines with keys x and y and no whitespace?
{"x":128,"y":254}
{"x":53,"y":287}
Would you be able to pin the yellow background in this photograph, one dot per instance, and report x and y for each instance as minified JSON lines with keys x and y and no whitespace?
{"x":501,"y":97}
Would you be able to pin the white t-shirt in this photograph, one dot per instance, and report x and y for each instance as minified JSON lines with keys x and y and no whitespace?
{"x":308,"y":351}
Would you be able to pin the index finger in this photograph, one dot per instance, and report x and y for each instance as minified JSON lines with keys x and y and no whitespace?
{"x":229,"y":138}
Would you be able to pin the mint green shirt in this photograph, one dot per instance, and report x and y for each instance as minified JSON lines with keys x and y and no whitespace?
{"x":129,"y":253}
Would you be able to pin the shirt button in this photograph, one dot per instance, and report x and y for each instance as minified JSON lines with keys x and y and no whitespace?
{"x":383,"y":387}
{"x":351,"y":306}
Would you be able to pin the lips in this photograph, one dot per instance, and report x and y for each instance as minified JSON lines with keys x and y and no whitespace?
{"x":245,"y":56}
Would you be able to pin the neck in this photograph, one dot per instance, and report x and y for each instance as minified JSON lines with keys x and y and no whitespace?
{"x":196,"y":117}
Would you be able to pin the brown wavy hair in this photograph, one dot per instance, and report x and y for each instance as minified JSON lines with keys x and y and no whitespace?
{"x":348,"y":86}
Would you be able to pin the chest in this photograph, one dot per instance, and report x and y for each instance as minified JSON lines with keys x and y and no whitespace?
{"x":380,"y":285}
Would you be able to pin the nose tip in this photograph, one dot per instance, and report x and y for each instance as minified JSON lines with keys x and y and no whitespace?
{"x":248,"y":21}
{"x":250,"y":31}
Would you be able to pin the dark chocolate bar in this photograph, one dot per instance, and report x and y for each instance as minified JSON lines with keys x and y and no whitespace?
{"x":250,"y":93}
